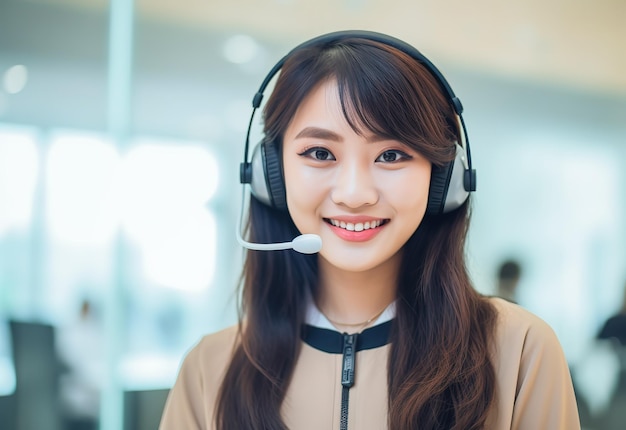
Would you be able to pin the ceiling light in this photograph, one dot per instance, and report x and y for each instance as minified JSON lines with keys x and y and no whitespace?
{"x":15,"y":79}
{"x":240,"y":49}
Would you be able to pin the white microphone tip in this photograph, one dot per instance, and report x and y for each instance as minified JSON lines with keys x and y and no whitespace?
{"x":307,"y":243}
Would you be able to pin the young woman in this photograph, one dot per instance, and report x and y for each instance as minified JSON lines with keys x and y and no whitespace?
{"x":365,"y":147}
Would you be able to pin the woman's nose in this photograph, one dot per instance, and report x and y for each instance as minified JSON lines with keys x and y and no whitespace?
{"x":355,"y":186}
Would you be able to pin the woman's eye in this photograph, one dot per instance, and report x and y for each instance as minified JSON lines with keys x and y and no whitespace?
{"x":317,"y":153}
{"x":393,"y":156}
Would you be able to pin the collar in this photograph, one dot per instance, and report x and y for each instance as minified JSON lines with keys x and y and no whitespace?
{"x":332,"y":342}
{"x":315,"y":318}
{"x":320,"y":334}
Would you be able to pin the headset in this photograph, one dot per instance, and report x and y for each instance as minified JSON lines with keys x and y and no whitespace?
{"x":450,"y":184}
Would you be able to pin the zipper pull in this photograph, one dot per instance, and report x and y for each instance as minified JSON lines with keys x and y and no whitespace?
{"x":347,"y":369}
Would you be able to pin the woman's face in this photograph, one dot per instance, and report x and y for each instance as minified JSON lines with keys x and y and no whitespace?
{"x":363,"y":195}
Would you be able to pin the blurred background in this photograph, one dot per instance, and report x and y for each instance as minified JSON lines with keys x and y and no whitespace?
{"x":121,"y":130}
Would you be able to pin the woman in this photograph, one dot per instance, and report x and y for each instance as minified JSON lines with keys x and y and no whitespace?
{"x":382,"y":328}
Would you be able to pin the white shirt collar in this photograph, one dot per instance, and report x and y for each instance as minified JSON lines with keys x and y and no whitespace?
{"x":316,"y":318}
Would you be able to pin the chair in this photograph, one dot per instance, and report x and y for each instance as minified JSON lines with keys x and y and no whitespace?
{"x":7,"y":411}
{"x":143,"y":408}
{"x":36,"y":376}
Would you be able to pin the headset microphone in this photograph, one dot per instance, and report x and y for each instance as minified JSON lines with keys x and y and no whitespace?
{"x":304,"y":244}
{"x":450,"y":184}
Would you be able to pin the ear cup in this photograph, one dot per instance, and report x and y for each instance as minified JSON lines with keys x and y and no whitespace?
{"x":447,"y":189}
{"x":267,"y":183}
{"x":439,"y":182}
{"x":257,"y":179}
{"x":459,"y":189}
{"x":274,"y":174}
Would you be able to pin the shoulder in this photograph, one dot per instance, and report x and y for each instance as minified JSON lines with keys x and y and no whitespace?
{"x":206,"y":362}
{"x":523,"y":340}
{"x":191,"y":401}
{"x":218,"y":341}
{"x":517,"y":324}
{"x":534,"y":387}
{"x":214,"y":349}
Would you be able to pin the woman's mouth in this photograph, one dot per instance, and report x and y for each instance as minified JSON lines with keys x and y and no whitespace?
{"x":356,"y":226}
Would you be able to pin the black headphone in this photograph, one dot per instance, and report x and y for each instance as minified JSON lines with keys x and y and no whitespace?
{"x":450,"y":184}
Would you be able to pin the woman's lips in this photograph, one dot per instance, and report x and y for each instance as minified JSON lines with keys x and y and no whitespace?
{"x":356,"y":230}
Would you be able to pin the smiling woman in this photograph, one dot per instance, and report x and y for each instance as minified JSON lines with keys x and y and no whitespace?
{"x":365,"y":147}
{"x":339,"y":179}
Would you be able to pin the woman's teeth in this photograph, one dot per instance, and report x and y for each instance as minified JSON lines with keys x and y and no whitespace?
{"x":359,"y":226}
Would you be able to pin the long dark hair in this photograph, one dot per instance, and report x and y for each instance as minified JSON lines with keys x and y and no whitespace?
{"x":439,"y":375}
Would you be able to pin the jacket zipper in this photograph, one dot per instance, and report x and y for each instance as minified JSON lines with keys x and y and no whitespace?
{"x":347,"y":376}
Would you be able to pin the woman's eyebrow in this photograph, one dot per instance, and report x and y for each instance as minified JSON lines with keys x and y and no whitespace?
{"x":319,"y":133}
{"x":325,"y":134}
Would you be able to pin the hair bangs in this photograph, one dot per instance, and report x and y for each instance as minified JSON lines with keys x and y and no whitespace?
{"x":387,"y":93}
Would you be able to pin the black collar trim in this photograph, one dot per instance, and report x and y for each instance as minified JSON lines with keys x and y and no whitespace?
{"x":331,"y":341}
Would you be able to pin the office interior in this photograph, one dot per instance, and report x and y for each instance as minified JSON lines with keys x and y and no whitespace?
{"x":122,"y":126}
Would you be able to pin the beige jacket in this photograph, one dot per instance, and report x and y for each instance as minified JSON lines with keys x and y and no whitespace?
{"x":534,"y":389}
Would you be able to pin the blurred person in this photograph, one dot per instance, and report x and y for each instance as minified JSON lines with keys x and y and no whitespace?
{"x":371,"y":321}
{"x":509,"y":275}
{"x":7,"y":379}
{"x":615,"y":326}
{"x":80,"y":349}
{"x":601,"y":375}
{"x":614,"y":331}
